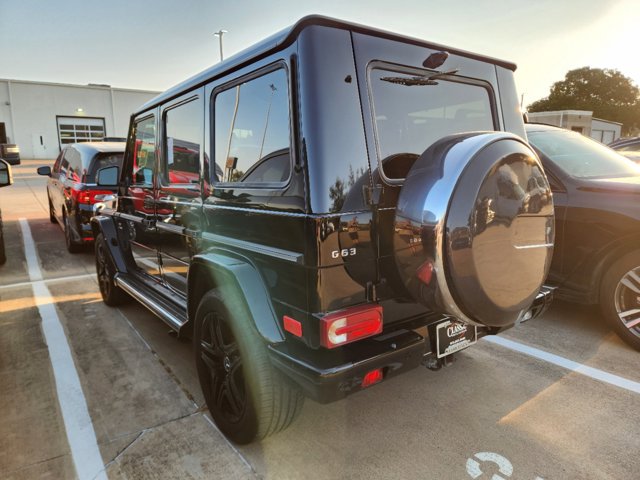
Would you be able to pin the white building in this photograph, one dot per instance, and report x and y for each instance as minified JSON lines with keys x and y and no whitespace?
{"x":581,"y":121}
{"x":40,"y":117}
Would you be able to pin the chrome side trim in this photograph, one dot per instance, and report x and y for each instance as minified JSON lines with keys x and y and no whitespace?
{"x":210,"y":206}
{"x":278,"y":253}
{"x":158,"y":310}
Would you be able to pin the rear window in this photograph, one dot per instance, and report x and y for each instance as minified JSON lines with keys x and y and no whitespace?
{"x":103,"y":160}
{"x":412,"y":111}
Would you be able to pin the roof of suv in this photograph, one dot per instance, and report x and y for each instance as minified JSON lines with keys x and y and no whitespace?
{"x":287,"y":36}
{"x":91,"y":148}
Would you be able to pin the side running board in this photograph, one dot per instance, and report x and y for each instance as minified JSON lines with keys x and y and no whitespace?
{"x":168,"y":311}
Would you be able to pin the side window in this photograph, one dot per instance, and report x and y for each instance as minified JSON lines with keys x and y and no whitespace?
{"x":56,"y":165}
{"x":183,"y":138}
{"x":144,"y":151}
{"x":252,"y":131}
{"x":74,"y":171}
{"x":64,"y":165}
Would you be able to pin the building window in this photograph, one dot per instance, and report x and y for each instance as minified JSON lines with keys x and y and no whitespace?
{"x":80,"y":129}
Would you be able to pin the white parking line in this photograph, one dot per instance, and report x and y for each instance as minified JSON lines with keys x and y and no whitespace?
{"x":77,"y":421}
{"x":580,"y":368}
{"x":70,"y":278}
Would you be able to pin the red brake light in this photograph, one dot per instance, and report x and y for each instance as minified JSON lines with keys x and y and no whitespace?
{"x":373,"y":377}
{"x":349,"y":325}
{"x":88,"y":197}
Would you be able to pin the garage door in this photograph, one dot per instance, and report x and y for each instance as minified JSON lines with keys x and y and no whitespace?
{"x":80,"y":129}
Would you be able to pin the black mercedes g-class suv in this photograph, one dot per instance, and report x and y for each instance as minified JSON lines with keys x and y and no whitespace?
{"x":326,"y":210}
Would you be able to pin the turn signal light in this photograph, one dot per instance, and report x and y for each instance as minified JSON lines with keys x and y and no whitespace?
{"x":346,"y":326}
{"x":373,"y":377}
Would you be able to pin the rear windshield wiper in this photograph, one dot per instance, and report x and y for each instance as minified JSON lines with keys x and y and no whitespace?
{"x":420,"y":79}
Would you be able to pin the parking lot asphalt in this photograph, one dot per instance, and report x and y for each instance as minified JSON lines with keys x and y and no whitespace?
{"x":496,"y":412}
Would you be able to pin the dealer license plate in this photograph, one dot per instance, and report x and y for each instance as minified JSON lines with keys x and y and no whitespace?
{"x":453,"y":336}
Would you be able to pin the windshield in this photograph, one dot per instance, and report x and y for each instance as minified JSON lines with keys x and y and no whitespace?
{"x":580,"y":156}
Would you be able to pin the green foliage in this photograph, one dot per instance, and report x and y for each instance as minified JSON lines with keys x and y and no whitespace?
{"x":607,"y":93}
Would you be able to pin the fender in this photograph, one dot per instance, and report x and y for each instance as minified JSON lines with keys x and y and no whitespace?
{"x":226,"y":272}
{"x":107,"y":226}
{"x":603,"y":259}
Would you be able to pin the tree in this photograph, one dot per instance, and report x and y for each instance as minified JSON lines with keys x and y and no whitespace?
{"x":607,"y":93}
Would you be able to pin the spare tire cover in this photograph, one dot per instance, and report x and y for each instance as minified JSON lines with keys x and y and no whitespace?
{"x":474,"y":228}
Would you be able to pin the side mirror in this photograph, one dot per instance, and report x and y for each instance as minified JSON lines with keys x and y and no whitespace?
{"x":6,"y":178}
{"x":108,"y":176}
{"x":46,"y":171}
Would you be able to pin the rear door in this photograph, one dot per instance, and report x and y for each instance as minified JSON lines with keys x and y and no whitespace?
{"x":405,"y":112}
{"x":179,"y":200}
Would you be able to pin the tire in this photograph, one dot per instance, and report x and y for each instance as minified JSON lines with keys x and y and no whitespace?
{"x":112,"y":295}
{"x":247,"y":397}
{"x":619,"y":293}
{"x":52,"y":217}
{"x":72,"y":246}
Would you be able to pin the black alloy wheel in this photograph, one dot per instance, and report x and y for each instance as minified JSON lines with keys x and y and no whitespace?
{"x":112,"y":295}
{"x":72,"y":246}
{"x":246,"y":396}
{"x":620,"y":298}
{"x":219,"y":352}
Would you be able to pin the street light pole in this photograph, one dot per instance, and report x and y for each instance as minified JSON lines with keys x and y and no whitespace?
{"x":219,"y":34}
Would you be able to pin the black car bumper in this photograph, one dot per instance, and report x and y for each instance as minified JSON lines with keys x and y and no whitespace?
{"x":329,"y":375}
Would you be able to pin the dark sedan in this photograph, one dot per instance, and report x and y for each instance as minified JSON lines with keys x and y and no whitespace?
{"x":71,"y":187}
{"x":596,"y":256}
{"x":629,"y":147}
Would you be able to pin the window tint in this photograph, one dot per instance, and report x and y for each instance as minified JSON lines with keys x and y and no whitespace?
{"x":412,"y":112}
{"x":103,"y":160}
{"x":73,"y":164}
{"x":183,"y":130}
{"x":144,"y":151}
{"x":56,"y":165}
{"x":251,"y":128}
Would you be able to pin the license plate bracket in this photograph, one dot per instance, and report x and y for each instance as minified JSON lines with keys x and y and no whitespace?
{"x":453,"y":336}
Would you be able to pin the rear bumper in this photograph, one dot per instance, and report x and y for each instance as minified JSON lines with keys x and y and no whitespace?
{"x":326,"y":376}
{"x":329,"y":375}
{"x":83,"y":222}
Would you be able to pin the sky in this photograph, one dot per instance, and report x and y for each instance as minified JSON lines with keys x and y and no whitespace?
{"x":155,"y":44}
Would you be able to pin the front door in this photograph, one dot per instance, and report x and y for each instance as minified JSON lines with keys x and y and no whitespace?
{"x":179,"y":200}
{"x":138,"y":204}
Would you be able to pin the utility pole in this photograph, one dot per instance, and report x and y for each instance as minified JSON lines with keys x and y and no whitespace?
{"x":219,"y":34}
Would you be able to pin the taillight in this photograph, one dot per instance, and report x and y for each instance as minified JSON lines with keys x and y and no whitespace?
{"x":351,"y":324}
{"x":372,"y":377}
{"x":88,"y":197}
